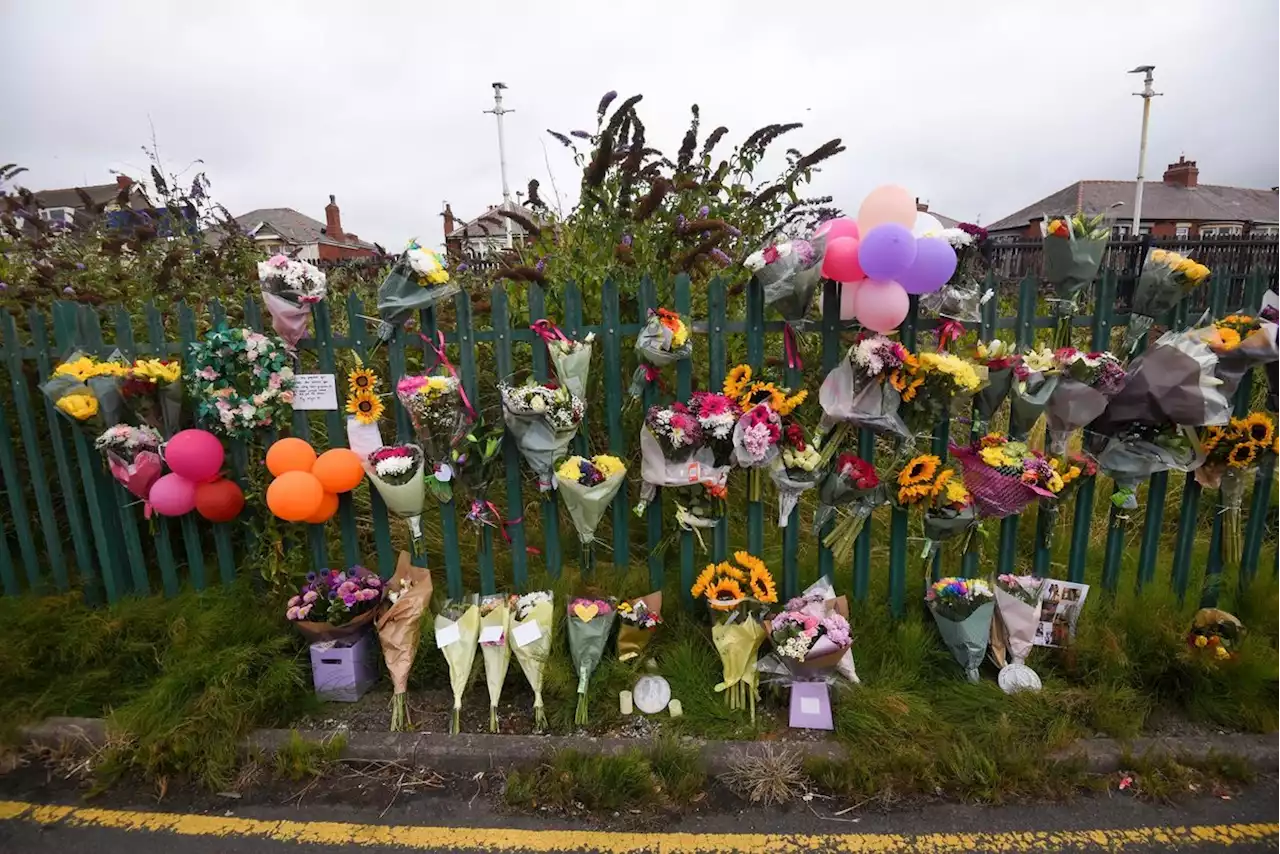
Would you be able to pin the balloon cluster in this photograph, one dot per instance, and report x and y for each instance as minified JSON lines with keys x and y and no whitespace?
{"x":306,"y":486}
{"x":880,"y":259}
{"x":194,"y":482}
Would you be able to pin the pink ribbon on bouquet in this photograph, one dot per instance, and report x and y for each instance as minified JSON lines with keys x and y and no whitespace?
{"x":792,"y":348}
{"x":548,"y":331}
{"x":476,"y":514}
{"x":949,"y":330}
{"x":442,"y":359}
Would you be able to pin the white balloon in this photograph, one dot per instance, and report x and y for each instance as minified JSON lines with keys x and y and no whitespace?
{"x":848,"y":290}
{"x":926,"y":223}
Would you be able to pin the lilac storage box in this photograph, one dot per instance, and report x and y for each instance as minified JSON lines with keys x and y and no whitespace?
{"x":343,"y":673}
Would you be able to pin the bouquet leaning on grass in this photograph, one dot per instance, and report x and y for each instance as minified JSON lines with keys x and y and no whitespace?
{"x":663,"y":340}
{"x":1086,"y":383}
{"x":1073,"y":250}
{"x":852,"y":482}
{"x":962,"y":609}
{"x":543,"y":420}
{"x":588,"y":486}
{"x":638,"y":621}
{"x":737,"y":594}
{"x":1035,"y":376}
{"x":457,"y":636}
{"x":857,"y":393}
{"x":396,"y":472}
{"x":1165,"y":281}
{"x":811,"y":635}
{"x":531,"y":617}
{"x":399,"y":623}
{"x":495,"y":624}
{"x":795,"y":471}
{"x":289,"y":290}
{"x":440,"y":421}
{"x":1018,"y":602}
{"x":590,"y":621}
{"x":571,"y":359}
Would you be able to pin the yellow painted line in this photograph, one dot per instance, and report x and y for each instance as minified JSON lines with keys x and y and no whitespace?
{"x":508,"y":839}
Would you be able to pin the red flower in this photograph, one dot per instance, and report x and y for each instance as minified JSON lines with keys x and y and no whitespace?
{"x":795,"y":436}
{"x":771,"y":254}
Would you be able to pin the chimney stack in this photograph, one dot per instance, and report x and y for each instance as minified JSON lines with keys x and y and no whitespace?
{"x":124,"y":182}
{"x":921,"y":207}
{"x":1182,"y":174}
{"x":448,"y":220}
{"x":333,"y":221}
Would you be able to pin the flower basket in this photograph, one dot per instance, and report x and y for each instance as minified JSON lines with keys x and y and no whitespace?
{"x":996,"y":495}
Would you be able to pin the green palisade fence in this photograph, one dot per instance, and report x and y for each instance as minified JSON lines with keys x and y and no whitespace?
{"x":68,"y":523}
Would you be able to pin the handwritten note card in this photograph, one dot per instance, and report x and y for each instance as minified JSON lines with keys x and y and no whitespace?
{"x":315,"y":391}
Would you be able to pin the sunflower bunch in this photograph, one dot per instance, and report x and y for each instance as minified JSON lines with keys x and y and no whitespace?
{"x":1238,"y":444}
{"x":1228,"y":333}
{"x":84,"y":367}
{"x":729,"y":584}
{"x":748,"y":392}
{"x":923,"y":481}
{"x":737,"y":592}
{"x":363,"y":401}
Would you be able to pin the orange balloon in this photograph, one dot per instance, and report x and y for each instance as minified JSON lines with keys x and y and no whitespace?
{"x":288,"y":455}
{"x":338,"y":470}
{"x":328,"y":506}
{"x":295,"y":496}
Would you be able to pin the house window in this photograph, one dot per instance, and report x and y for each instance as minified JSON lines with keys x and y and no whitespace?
{"x":63,"y":215}
{"x":1182,"y":230}
{"x":1221,"y":230}
{"x":1265,"y":230}
{"x":1119,"y":231}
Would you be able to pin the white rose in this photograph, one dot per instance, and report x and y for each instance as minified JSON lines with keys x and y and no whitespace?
{"x":538,"y":404}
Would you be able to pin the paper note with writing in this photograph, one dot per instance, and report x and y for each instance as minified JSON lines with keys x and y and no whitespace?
{"x":694,"y":472}
{"x":364,"y":439}
{"x":526,"y":633}
{"x":810,"y":706}
{"x":450,"y":634}
{"x":491,"y":635}
{"x":315,"y":391}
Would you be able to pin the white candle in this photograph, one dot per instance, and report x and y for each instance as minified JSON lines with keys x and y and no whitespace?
{"x":624,"y":702}
{"x":676,"y":709}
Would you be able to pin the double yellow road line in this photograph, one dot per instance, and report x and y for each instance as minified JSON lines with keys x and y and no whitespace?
{"x":508,"y":839}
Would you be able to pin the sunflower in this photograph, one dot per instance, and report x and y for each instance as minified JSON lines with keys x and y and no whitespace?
{"x":724,"y":594}
{"x":728,"y":570}
{"x":703,"y":581}
{"x":750,"y":563}
{"x":759,"y":392}
{"x":736,"y":381}
{"x":1242,"y":455}
{"x":1212,"y":436}
{"x":920,"y":469}
{"x":1258,"y":427}
{"x":365,"y":406}
{"x":789,"y":404}
{"x":1228,"y":338}
{"x":362,"y":379}
{"x":762,"y":586}
{"x":940,"y":483}
{"x":909,"y":393}
{"x":911,"y":494}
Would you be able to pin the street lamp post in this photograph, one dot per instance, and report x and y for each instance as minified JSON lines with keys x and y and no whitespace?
{"x":1146,"y":95}
{"x":499,"y":112}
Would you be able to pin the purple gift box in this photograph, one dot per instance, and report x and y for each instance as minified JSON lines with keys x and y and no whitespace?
{"x":810,"y":706}
{"x":343,"y":673}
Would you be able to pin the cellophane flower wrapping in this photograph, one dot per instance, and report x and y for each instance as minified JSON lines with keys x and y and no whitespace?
{"x":1087,"y":382}
{"x":789,"y":274}
{"x":572,"y":362}
{"x":417,"y":281}
{"x":152,"y":393}
{"x":1028,"y":399}
{"x":637,"y":624}
{"x":535,"y":608}
{"x":1073,"y":252}
{"x":860,"y":396}
{"x":691,"y":467}
{"x":1257,"y":347}
{"x":829,"y":656}
{"x":133,"y":456}
{"x":1165,"y":280}
{"x":988,"y":398}
{"x":659,"y":345}
{"x":495,"y":616}
{"x":1018,"y":601}
{"x":399,"y":623}
{"x":543,"y":421}
{"x":590,"y":621}
{"x":794,"y":473}
{"x":400,"y":485}
{"x":335,"y":605}
{"x":289,"y":289}
{"x":1173,"y":382}
{"x":963,"y":619}
{"x":88,"y":390}
{"x":737,"y":593}
{"x":737,"y":638}
{"x":946,"y":523}
{"x":460,"y":653}
{"x":961,"y":297}
{"x":586,"y":497}
{"x":439,"y":420}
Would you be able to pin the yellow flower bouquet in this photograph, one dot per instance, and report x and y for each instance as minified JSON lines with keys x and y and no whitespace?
{"x":736,"y":592}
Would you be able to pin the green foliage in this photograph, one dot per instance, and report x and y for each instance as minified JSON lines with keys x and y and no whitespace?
{"x":669,"y":776}
{"x":299,"y":759}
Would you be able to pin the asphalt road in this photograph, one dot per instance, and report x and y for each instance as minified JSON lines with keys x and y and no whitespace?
{"x":1245,"y":823}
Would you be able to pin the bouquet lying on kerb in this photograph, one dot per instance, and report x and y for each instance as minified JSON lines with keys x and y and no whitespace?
{"x":457,"y":636}
{"x":590,"y":621}
{"x":289,"y":289}
{"x":495,"y":647}
{"x":1231,"y":452}
{"x":571,"y":359}
{"x":1165,"y":281}
{"x":542,"y":419}
{"x":531,"y":624}
{"x":399,"y":623}
{"x":417,"y":281}
{"x":1073,"y":251}
{"x":638,"y":621}
{"x":396,"y":472}
{"x":737,"y":594}
{"x":857,"y":393}
{"x":811,"y":638}
{"x":962,"y":609}
{"x":1018,"y":611}
{"x":663,"y":340}
{"x":1035,"y":376}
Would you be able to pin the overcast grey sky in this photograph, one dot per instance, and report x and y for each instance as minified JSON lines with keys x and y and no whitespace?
{"x":978,"y":107}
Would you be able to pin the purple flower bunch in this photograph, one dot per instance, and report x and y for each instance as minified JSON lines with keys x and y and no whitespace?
{"x":590,"y":474}
{"x":336,"y":596}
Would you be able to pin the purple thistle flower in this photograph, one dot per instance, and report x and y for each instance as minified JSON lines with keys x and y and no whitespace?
{"x":541,"y":265}
{"x":703,"y":212}
{"x":735,"y":232}
{"x":721,"y":258}
{"x":69,"y":291}
{"x":705,"y":235}
{"x":679,"y":220}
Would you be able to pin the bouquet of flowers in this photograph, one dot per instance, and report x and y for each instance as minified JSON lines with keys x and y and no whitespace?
{"x":717,"y":415}
{"x":590,"y":621}
{"x":851,"y":482}
{"x":439,"y":422}
{"x":1138,"y":451}
{"x":543,"y":420}
{"x":638,"y":620}
{"x":673,"y":454}
{"x":961,"y":297}
{"x":797,"y":470}
{"x":531,"y":616}
{"x":457,"y":636}
{"x":399,"y":625}
{"x":1073,"y":250}
{"x":289,"y":289}
{"x":1005,"y":476}
{"x":571,"y":359}
{"x":857,"y":392}
{"x":588,"y":486}
{"x":1242,"y":342}
{"x":476,"y":462}
{"x":152,"y":392}
{"x":1166,"y":279}
{"x":133,"y":455}
{"x":335,"y":604}
{"x":1215,"y":632}
{"x":962,"y":609}
{"x":737,"y":594}
{"x":87,"y":390}
{"x":417,"y":281}
{"x":929,"y":383}
{"x":396,"y":472}
{"x":1229,"y":452}
{"x":788,"y":274}
{"x":1000,"y":361}
{"x":755,"y":444}
{"x":750,"y":393}
{"x":948,"y":508}
{"x":1172,"y":382}
{"x":1018,"y":609}
{"x":495,"y":624}
{"x":1035,"y":377}
{"x":1074,"y":470}
{"x":662,"y":341}
{"x":812,"y":634}
{"x":1086,"y":382}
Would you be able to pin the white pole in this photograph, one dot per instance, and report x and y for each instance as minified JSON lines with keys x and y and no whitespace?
{"x":1146,"y":95}
{"x":499,"y":112}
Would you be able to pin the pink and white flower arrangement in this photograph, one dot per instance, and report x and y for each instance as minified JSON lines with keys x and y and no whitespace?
{"x":676,"y":428}
{"x":877,"y":355}
{"x":335,"y":596}
{"x":297,"y":280}
{"x":761,"y":431}
{"x":717,"y":415}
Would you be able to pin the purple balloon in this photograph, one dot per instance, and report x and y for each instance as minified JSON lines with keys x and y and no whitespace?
{"x":886,"y":251}
{"x":935,"y":263}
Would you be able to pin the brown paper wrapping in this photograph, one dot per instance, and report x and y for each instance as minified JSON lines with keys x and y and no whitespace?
{"x":399,"y":623}
{"x":318,"y":632}
{"x":838,"y":605}
{"x":632,"y":639}
{"x":999,"y":640}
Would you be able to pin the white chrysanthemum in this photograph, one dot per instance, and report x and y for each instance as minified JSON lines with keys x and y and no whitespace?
{"x":393,"y":466}
{"x":956,"y":237}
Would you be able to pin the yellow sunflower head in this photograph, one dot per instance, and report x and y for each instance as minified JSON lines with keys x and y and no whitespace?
{"x":365,"y":406}
{"x":761,"y":392}
{"x":912,"y":494}
{"x":749,"y":562}
{"x":362,"y":379}
{"x":724,"y":594}
{"x":762,"y":586}
{"x":1258,"y":427}
{"x":1242,"y":455}
{"x":919,"y":470}
{"x":940,"y":483}
{"x":789,"y":404}
{"x":736,"y":381}
{"x":703,"y":581}
{"x":730,"y":571}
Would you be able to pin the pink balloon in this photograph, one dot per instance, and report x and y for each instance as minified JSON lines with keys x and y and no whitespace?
{"x":841,"y":260}
{"x":881,"y":306}
{"x":833,"y":228}
{"x":886,"y":204}
{"x":848,"y":293}
{"x":197,"y":455}
{"x":173,"y":495}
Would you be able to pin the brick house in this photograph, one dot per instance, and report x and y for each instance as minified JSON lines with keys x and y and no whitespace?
{"x":299,"y":236}
{"x":1177,"y":206}
{"x":487,"y":233}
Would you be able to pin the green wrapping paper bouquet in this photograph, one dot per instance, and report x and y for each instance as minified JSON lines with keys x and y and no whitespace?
{"x":999,"y":359}
{"x":1035,"y":376}
{"x":962,"y":609}
{"x":1073,"y":250}
{"x":590,"y":622}
{"x":495,"y":648}
{"x":457,"y":636}
{"x":417,"y":281}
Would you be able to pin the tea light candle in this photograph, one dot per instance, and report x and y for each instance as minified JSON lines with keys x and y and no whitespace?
{"x":676,"y":709}
{"x":624,"y":702}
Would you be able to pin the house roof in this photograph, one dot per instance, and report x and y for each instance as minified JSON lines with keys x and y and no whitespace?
{"x":293,"y":227}
{"x":1160,"y":201}
{"x":492,"y":224}
{"x":69,"y":197}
